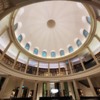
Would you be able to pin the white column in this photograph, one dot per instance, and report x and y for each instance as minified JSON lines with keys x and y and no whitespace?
{"x":48,"y":89}
{"x":82,"y":63}
{"x":26,"y":65}
{"x":97,"y":37}
{"x":39,"y":90}
{"x":16,"y":59}
{"x":4,"y":86}
{"x":5,"y":50}
{"x":66,"y":70}
{"x":37,"y":73}
{"x":48,"y":69}
{"x":91,"y":86}
{"x":76,"y":90}
{"x":20,"y":89}
{"x":62,"y":88}
{"x":59,"y":67}
{"x":70,"y":67}
{"x":34,"y":94}
{"x":71,"y":92}
{"x":3,"y":31}
{"x":93,"y":55}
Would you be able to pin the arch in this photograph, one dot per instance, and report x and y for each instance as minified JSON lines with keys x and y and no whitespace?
{"x":53,"y":54}
{"x":70,"y":49}
{"x":85,"y":33}
{"x":88,"y":19}
{"x":20,"y":38}
{"x":35,"y":51}
{"x":44,"y":53}
{"x":78,"y":43}
{"x":62,"y":53}
{"x":27,"y":46}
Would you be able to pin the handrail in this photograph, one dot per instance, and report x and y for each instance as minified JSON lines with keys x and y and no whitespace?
{"x":89,"y":72}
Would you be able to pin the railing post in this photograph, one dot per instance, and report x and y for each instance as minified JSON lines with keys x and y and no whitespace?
{"x":16,"y":60}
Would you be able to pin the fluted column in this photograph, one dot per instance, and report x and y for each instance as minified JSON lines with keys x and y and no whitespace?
{"x":82,"y":63}
{"x":91,"y":86}
{"x":4,"y":86}
{"x":20,"y":89}
{"x":93,"y":55}
{"x":70,"y":67}
{"x":76,"y":90}
{"x":97,"y":37}
{"x":4,"y":52}
{"x":16,"y":59}
{"x":35,"y":87}
{"x":27,"y":65}
{"x":61,"y":88}
{"x":37,"y":73}
{"x":48,"y":89}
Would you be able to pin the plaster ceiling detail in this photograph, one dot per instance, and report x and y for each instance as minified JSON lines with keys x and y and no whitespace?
{"x":52,"y":29}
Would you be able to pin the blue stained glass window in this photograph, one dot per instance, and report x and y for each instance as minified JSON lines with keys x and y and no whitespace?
{"x":20,"y":38}
{"x":62,"y":53}
{"x":85,"y":33}
{"x":35,"y":51}
{"x":88,"y":19}
{"x":15,"y":26}
{"x":53,"y":54}
{"x":70,"y":49}
{"x":27,"y":46}
{"x":78,"y":42}
{"x":44,"y":54}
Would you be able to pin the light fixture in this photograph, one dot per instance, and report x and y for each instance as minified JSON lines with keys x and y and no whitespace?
{"x":53,"y":91}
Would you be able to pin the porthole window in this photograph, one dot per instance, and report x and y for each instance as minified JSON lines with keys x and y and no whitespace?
{"x":20,"y":38}
{"x":78,"y":42}
{"x":70,"y":49}
{"x":44,"y":53}
{"x":27,"y":46}
{"x":35,"y":51}
{"x":53,"y":54}
{"x":62,"y":53}
{"x":85,"y":33}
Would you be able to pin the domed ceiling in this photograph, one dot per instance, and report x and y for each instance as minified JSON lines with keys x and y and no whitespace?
{"x":52,"y":29}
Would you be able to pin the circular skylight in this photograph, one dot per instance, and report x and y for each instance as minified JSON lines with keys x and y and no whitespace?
{"x":56,"y":28}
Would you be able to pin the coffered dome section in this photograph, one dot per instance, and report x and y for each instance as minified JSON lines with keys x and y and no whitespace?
{"x":49,"y":29}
